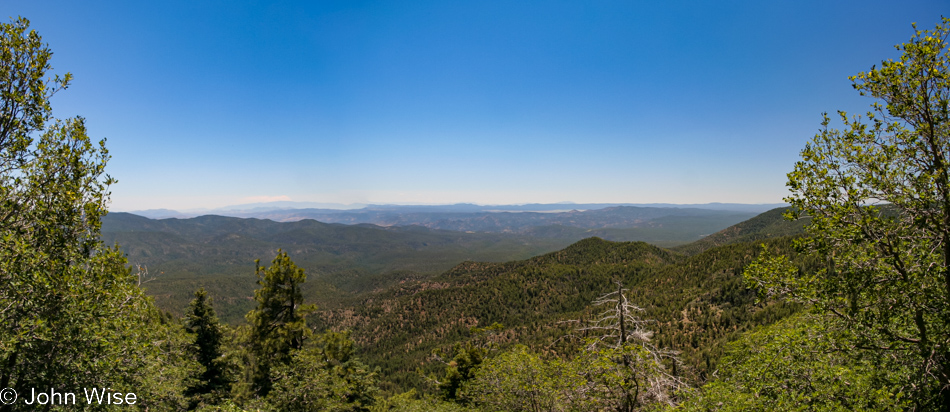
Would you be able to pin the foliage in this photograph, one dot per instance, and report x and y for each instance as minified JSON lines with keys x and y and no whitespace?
{"x":464,"y":360}
{"x":326,"y":376}
{"x":155,"y":359}
{"x":71,"y":312}
{"x":626,"y":378}
{"x":278,"y":326}
{"x":305,"y":385}
{"x":626,"y":369}
{"x":797,"y":364}
{"x":411,"y":401}
{"x":617,"y":369}
{"x":519,"y":380}
{"x":226,"y":406}
{"x":699,"y":303}
{"x":878,"y":195}
{"x":339,"y":356}
{"x":461,"y":369}
{"x":212,"y":383}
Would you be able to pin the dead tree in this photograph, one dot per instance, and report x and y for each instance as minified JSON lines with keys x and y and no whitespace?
{"x":638,"y":376}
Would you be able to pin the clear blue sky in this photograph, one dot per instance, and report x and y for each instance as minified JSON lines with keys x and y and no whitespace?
{"x":213,"y":103}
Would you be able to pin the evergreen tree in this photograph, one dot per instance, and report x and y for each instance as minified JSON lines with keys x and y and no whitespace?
{"x":202,"y":323}
{"x":461,"y":369}
{"x":278,"y":326}
{"x":467,"y":359}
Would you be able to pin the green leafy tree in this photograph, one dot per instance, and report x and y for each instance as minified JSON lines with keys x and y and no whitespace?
{"x":338,"y":353}
{"x":202,"y":323}
{"x":71,"y":312}
{"x":278,"y":326}
{"x":520,"y":380}
{"x":797,"y":364}
{"x":465,"y":361}
{"x":460,"y":369}
{"x":326,"y":376}
{"x":878,"y":195}
{"x":412,"y":401}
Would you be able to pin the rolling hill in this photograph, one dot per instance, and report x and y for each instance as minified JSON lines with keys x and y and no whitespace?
{"x":402,"y":291}
{"x":697,"y":302}
{"x":673,"y":224}
{"x":218,"y":253}
{"x":767,"y":225}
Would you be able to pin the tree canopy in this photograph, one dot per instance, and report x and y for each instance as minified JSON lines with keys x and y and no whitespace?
{"x":71,"y":312}
{"x":878,"y":195}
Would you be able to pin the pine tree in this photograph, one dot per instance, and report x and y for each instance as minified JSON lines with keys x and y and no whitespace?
{"x":212,"y":381}
{"x":278,"y":326}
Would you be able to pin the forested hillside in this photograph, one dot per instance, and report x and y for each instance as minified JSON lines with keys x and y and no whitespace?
{"x":764,"y":226}
{"x":696,"y":304}
{"x":406,"y":311}
{"x":218,"y":253}
{"x":514,"y":219}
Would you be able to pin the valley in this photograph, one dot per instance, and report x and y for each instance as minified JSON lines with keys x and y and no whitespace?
{"x":406,"y":291}
{"x":344,"y":260}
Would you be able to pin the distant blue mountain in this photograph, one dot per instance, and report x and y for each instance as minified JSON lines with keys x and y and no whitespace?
{"x":273,"y":210}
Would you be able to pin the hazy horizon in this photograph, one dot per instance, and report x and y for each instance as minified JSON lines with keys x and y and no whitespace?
{"x":289,"y":205}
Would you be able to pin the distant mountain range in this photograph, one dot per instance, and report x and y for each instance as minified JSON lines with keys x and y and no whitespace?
{"x":261,"y":210}
{"x":376,"y":247}
{"x":218,"y":252}
{"x":664,"y":225}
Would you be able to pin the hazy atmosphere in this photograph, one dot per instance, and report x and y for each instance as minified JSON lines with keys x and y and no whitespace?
{"x":213,"y":103}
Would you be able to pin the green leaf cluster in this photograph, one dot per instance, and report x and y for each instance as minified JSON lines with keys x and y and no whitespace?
{"x":326,"y":376}
{"x":72,"y":314}
{"x":877,"y":193}
{"x":799,"y":364}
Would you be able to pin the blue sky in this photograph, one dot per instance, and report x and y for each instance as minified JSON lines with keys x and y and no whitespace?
{"x":213,"y":103}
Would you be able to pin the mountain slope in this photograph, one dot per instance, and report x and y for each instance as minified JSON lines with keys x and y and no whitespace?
{"x":666,"y":226}
{"x":697,"y":302}
{"x":767,"y":225}
{"x":219,"y":252}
